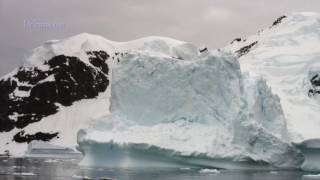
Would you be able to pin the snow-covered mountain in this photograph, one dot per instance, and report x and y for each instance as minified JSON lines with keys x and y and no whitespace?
{"x":287,"y":55}
{"x":162,"y":102}
{"x":63,"y":87}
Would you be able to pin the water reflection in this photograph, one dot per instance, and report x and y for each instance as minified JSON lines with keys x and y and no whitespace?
{"x":59,"y":169}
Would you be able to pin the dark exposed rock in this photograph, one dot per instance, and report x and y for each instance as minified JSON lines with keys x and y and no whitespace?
{"x":98,"y":59}
{"x":6,"y":87}
{"x":24,"y":88}
{"x":236,"y":40}
{"x":21,"y":137}
{"x":278,"y":21}
{"x":75,"y":80}
{"x":67,"y":80}
{"x":315,"y":82}
{"x":6,"y":123}
{"x":30,"y":75}
{"x":246,"y":49}
{"x":205,"y":49}
{"x":99,"y":54}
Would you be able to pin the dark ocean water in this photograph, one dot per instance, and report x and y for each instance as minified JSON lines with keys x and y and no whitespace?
{"x":53,"y":169}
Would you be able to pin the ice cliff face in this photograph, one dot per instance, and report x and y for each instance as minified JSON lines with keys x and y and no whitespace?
{"x":287,"y":55}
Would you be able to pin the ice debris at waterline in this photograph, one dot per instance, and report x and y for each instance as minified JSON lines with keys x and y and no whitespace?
{"x":38,"y":149}
{"x":168,"y":112}
{"x":209,"y":171}
{"x":23,"y":174}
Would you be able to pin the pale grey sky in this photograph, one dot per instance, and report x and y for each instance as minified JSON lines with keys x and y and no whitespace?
{"x":211,"y":22}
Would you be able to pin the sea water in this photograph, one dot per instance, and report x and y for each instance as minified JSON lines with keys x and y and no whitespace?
{"x":68,"y":169}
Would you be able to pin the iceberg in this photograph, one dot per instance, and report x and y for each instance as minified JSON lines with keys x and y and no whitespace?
{"x":173,"y":112}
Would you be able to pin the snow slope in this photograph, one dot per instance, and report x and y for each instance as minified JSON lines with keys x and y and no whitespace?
{"x":287,"y":55}
{"x":79,"y":44}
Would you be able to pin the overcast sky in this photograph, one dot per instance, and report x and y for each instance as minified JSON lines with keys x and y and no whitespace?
{"x":211,"y":22}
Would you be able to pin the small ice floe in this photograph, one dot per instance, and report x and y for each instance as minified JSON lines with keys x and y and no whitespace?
{"x":51,"y":161}
{"x":273,"y":172}
{"x":311,"y":176}
{"x":81,"y":177}
{"x":209,"y":171}
{"x":17,"y":167}
{"x":23,"y":174}
{"x":185,"y":169}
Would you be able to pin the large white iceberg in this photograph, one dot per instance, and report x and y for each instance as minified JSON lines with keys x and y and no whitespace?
{"x":169,"y":111}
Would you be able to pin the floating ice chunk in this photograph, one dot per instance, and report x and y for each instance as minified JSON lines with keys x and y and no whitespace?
{"x":51,"y":161}
{"x":311,"y":176}
{"x":23,"y":174}
{"x":209,"y":171}
{"x":185,"y":169}
{"x":81,"y":177}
